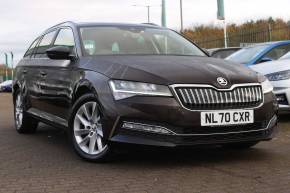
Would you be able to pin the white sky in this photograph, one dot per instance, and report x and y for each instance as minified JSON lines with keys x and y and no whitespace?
{"x":22,"y":20}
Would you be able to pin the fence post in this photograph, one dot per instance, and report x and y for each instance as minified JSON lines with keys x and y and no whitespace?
{"x":270,"y":32}
{"x":6,"y":66}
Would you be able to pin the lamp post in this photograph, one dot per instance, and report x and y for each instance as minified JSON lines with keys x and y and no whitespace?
{"x":221,"y":16}
{"x":12,"y":67}
{"x":181,"y":16}
{"x":163,"y":14}
{"x":148,"y":13}
{"x":148,"y":10}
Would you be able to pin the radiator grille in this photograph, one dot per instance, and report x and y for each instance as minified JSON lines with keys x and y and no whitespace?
{"x":196,"y":98}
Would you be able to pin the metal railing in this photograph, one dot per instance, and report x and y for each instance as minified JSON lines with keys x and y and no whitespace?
{"x":243,"y":38}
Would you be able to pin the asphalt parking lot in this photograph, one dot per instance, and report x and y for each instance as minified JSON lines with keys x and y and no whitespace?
{"x":45,"y":162}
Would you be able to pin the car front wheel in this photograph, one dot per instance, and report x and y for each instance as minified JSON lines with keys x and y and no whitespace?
{"x":86,"y":129}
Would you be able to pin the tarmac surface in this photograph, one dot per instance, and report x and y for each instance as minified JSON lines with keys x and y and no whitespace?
{"x":46,"y":162}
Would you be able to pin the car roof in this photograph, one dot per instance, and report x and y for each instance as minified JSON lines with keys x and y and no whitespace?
{"x":107,"y":24}
{"x":274,"y":43}
{"x":85,"y":24}
{"x":268,"y":47}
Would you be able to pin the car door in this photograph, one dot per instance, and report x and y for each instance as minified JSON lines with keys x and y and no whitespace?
{"x":25,"y":72}
{"x":37,"y":70}
{"x":58,"y":85}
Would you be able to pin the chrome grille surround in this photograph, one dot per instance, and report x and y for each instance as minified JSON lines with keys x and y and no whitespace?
{"x":197,"y":97}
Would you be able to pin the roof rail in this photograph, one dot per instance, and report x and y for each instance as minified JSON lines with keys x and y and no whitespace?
{"x":59,"y":24}
{"x":154,"y":24}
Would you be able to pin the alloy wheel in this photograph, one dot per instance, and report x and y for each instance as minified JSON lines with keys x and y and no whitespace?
{"x":88,"y":131}
{"x":18,"y":111}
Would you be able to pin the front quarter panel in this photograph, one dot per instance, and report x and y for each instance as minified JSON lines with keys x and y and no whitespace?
{"x":20,"y":78}
{"x":96,"y":82}
{"x":99,"y":84}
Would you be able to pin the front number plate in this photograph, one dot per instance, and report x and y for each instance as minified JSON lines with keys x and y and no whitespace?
{"x":220,"y":118}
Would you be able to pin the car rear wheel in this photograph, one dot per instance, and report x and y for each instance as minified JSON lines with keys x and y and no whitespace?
{"x":23,"y":122}
{"x":86,"y":130}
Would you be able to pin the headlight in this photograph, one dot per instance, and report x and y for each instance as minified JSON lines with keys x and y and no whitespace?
{"x":124,"y":89}
{"x":267,"y":86}
{"x":283,"y":75}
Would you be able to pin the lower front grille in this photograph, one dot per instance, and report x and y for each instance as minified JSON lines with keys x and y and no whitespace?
{"x":207,"y":97}
{"x":203,"y":139}
{"x":196,"y":129}
{"x":235,"y":137}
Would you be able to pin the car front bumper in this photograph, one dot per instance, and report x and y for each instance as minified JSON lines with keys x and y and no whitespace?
{"x":131,"y":136}
{"x":183,"y":126}
{"x":282,"y":92}
{"x":283,"y":96}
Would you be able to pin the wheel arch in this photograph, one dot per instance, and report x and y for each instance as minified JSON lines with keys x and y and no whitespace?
{"x":16,"y":86}
{"x":83,"y":87}
{"x":86,"y":86}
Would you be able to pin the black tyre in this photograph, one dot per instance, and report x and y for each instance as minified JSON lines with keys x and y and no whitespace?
{"x":241,"y":145}
{"x":23,"y":122}
{"x":86,"y":131}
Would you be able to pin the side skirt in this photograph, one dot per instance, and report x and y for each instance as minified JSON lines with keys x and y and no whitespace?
{"x":48,"y":118}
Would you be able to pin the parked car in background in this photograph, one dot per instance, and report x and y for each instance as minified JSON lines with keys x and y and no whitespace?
{"x":278,"y":72}
{"x":6,"y":86}
{"x":259,"y":53}
{"x":286,"y":56}
{"x":138,"y":84}
{"x":222,"y":52}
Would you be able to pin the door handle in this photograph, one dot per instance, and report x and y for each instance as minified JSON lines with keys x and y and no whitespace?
{"x":43,"y":74}
{"x":24,"y":71}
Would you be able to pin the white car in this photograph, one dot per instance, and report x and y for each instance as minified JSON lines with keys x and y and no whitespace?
{"x":278,"y":72}
{"x":6,"y":86}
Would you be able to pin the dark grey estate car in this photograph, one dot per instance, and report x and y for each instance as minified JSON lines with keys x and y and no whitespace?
{"x":138,"y":84}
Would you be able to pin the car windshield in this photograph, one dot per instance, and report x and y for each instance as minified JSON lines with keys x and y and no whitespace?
{"x":135,"y":41}
{"x":285,"y":56}
{"x":245,"y":55}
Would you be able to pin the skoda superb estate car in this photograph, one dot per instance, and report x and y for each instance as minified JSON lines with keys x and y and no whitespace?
{"x":138,"y":84}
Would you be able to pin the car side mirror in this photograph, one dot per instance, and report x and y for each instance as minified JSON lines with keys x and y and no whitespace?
{"x":59,"y":53}
{"x":265,"y":59}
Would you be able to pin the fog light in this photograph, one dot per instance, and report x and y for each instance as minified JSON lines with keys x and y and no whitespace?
{"x":282,"y":99}
{"x":146,"y":128}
